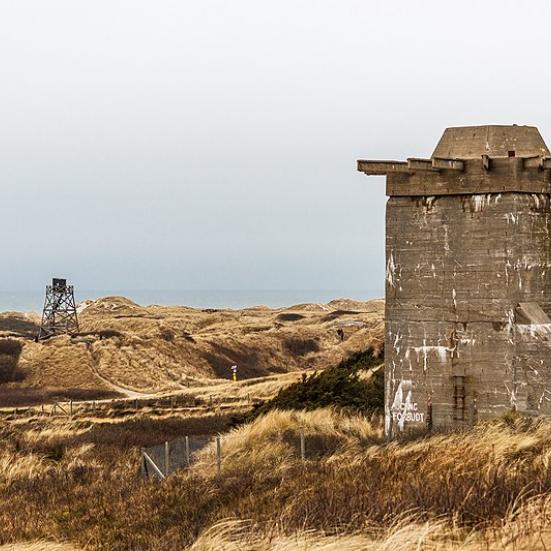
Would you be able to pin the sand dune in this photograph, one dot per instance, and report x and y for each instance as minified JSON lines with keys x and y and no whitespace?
{"x":131,"y":348}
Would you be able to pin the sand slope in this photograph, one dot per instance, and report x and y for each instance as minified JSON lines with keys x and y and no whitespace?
{"x":124,"y":346}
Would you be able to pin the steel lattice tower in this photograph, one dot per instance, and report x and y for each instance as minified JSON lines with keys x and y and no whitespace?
{"x":60,"y":314}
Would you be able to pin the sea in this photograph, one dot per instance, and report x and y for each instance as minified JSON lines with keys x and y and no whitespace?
{"x":32,"y":301}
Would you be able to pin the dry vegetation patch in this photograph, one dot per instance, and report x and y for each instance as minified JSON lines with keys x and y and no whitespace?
{"x":39,"y":546}
{"x":80,"y":481}
{"x":125,"y":347}
{"x":10,"y":350}
{"x":20,"y":396}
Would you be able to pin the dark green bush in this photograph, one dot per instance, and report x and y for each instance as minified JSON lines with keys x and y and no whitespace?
{"x":289,"y":316}
{"x":301,"y":347}
{"x":10,"y":350}
{"x":166,"y":334}
{"x":339,"y":386}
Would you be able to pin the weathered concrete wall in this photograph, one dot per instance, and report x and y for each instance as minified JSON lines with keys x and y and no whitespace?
{"x":468,"y":291}
{"x":457,"y":268}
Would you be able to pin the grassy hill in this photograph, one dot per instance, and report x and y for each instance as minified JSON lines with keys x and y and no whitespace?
{"x":128,"y":348}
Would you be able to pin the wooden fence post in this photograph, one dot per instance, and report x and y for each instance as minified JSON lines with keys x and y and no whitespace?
{"x":218,"y":455}
{"x":186,"y":441}
{"x":71,"y":408}
{"x":153,"y":465}
{"x":302,"y":445}
{"x":136,"y":404}
{"x":144,"y":463}
{"x":167,"y":458}
{"x":59,"y":406}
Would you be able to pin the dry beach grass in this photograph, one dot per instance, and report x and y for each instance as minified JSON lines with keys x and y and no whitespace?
{"x":75,"y":482}
{"x":79,"y":482}
{"x":129,"y":348}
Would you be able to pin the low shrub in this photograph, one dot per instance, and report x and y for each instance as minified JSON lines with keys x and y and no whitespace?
{"x":289,"y":316}
{"x":10,"y":350}
{"x":301,"y":347}
{"x":166,"y":334}
{"x":341,"y":386}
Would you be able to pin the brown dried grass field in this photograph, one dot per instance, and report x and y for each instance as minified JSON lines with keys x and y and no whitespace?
{"x":132,"y":349}
{"x":77,"y":481}
{"x":74,"y":483}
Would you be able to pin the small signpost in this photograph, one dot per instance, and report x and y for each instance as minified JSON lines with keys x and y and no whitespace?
{"x":234,"y":373}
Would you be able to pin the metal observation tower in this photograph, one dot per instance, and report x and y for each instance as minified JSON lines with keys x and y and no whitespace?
{"x":59,"y":315}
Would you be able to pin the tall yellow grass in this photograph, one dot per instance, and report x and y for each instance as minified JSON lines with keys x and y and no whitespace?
{"x":14,"y":466}
{"x":486,"y":488}
{"x":272,"y":441}
{"x":406,"y":534}
{"x":236,"y":535}
{"x":39,"y":546}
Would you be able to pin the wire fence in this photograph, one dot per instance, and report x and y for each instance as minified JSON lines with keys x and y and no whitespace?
{"x":76,"y":407}
{"x":161,"y":461}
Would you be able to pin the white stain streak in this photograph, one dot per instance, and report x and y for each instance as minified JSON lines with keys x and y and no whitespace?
{"x":446,"y":240}
{"x":512,"y":396}
{"x":425,"y":350}
{"x":544,"y":396}
{"x":428,"y":202}
{"x":512,"y":217}
{"x":540,"y":200}
{"x":479,"y":201}
{"x":510,"y":325}
{"x":391,"y":271}
{"x":403,"y":408}
{"x":396,"y":345}
{"x":535,"y":329}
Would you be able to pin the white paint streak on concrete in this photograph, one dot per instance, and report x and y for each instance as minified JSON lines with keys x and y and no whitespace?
{"x":396,"y":345}
{"x":512,"y":396}
{"x":446,"y":240}
{"x":480,"y":201}
{"x":428,"y":203}
{"x":534,"y":329}
{"x":512,"y":218}
{"x":402,"y":401}
{"x":425,"y":350}
{"x":391,"y":271}
{"x":511,"y":324}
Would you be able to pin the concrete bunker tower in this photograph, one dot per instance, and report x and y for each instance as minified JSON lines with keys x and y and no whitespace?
{"x":468,"y":279}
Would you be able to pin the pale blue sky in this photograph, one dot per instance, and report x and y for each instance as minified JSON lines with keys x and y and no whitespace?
{"x":212,"y":144}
